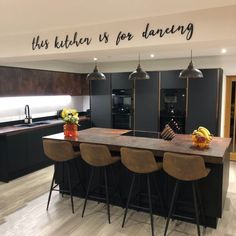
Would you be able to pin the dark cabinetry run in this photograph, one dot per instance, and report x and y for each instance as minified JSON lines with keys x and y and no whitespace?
{"x":23,"y":152}
{"x":31,"y":82}
{"x":163,"y":98}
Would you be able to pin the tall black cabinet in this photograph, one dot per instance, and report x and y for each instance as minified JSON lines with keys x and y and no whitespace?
{"x":100,"y":102}
{"x":204,"y":101}
{"x":173,"y":93}
{"x":146,"y":103}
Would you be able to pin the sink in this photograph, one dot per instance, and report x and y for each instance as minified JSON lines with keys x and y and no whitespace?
{"x":33,"y":124}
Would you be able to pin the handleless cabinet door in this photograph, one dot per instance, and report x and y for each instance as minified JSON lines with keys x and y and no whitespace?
{"x":170,"y":80}
{"x":146,"y":103}
{"x":204,"y":98}
{"x":121,"y":81}
{"x":101,"y":102}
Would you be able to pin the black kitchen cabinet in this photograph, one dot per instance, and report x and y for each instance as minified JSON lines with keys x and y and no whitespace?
{"x":170,"y":80}
{"x":146,"y":103}
{"x":35,"y":146}
{"x":17,"y":146}
{"x":101,"y":102}
{"x":172,"y":100}
{"x":121,"y":81}
{"x":22,"y":152}
{"x":121,"y":100}
{"x":204,"y":101}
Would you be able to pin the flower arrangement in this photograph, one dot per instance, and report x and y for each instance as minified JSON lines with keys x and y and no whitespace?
{"x":70,"y":116}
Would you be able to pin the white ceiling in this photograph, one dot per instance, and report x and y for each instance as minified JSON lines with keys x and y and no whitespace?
{"x":27,"y":16}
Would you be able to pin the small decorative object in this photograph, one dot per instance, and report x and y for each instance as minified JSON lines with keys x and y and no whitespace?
{"x":71,"y":117}
{"x":167,"y":133}
{"x":201,"y":137}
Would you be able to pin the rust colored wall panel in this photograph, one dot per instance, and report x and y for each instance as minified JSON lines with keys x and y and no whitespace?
{"x":28,"y":82}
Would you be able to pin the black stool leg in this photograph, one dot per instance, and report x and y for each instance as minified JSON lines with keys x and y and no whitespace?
{"x":50,"y":193}
{"x":200,"y":203}
{"x":107,"y":195}
{"x":128,"y":200}
{"x":70,"y":188}
{"x":196,"y":208}
{"x":87,"y":193}
{"x":171,"y":206}
{"x":63,"y":177}
{"x":150,"y":203}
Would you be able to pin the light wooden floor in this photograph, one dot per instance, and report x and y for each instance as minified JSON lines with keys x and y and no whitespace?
{"x":23,"y":203}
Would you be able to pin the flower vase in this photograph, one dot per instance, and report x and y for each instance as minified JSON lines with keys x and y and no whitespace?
{"x":70,"y":130}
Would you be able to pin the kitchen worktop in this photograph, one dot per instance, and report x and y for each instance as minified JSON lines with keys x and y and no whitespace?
{"x":182,"y":143}
{"x":17,"y":128}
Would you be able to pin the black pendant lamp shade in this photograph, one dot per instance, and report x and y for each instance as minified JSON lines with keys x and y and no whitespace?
{"x":139,"y":74}
{"x":191,"y":72}
{"x":96,"y":75}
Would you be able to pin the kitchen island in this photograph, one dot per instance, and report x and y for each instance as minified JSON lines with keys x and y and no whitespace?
{"x":213,"y":188}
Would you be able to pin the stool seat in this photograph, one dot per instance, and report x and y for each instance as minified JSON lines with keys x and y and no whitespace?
{"x":139,"y":161}
{"x":97,"y":155}
{"x":59,"y":150}
{"x":185,"y":167}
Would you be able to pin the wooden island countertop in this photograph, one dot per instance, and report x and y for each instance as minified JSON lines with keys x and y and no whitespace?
{"x":181,"y":143}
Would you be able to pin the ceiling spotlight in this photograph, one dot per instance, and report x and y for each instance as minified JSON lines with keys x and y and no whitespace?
{"x":223,"y":50}
{"x":152,"y":55}
{"x":95,"y":59}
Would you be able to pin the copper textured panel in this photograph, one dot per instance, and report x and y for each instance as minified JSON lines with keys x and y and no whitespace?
{"x":26,"y":82}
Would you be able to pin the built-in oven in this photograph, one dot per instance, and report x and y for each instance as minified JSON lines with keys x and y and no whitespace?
{"x":173,"y":109}
{"x":122,"y":108}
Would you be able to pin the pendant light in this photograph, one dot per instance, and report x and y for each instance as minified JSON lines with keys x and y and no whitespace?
{"x":191,"y":72}
{"x":96,"y":75}
{"x":139,"y":74}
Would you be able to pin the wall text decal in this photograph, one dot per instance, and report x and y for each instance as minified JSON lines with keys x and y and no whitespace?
{"x":77,"y":40}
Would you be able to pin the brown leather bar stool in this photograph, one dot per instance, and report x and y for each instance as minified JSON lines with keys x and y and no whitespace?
{"x":97,"y":156}
{"x":184,"y":168}
{"x":60,"y":152}
{"x":140,"y":162}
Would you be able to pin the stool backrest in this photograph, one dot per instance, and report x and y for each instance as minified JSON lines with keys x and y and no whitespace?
{"x":138,"y":161}
{"x":95,"y":154}
{"x":58,"y":150}
{"x":184,"y":167}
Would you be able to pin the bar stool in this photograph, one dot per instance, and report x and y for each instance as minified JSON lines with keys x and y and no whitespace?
{"x":97,"y":156}
{"x":140,"y":162}
{"x":184,"y":168}
{"x":60,"y":152}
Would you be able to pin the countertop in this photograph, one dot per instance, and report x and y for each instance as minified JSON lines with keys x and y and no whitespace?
{"x":181,"y":143}
{"x":13,"y":129}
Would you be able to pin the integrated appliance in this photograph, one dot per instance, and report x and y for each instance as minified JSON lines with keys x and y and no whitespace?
{"x":173,"y":109}
{"x":143,"y":134}
{"x":122,"y":108}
